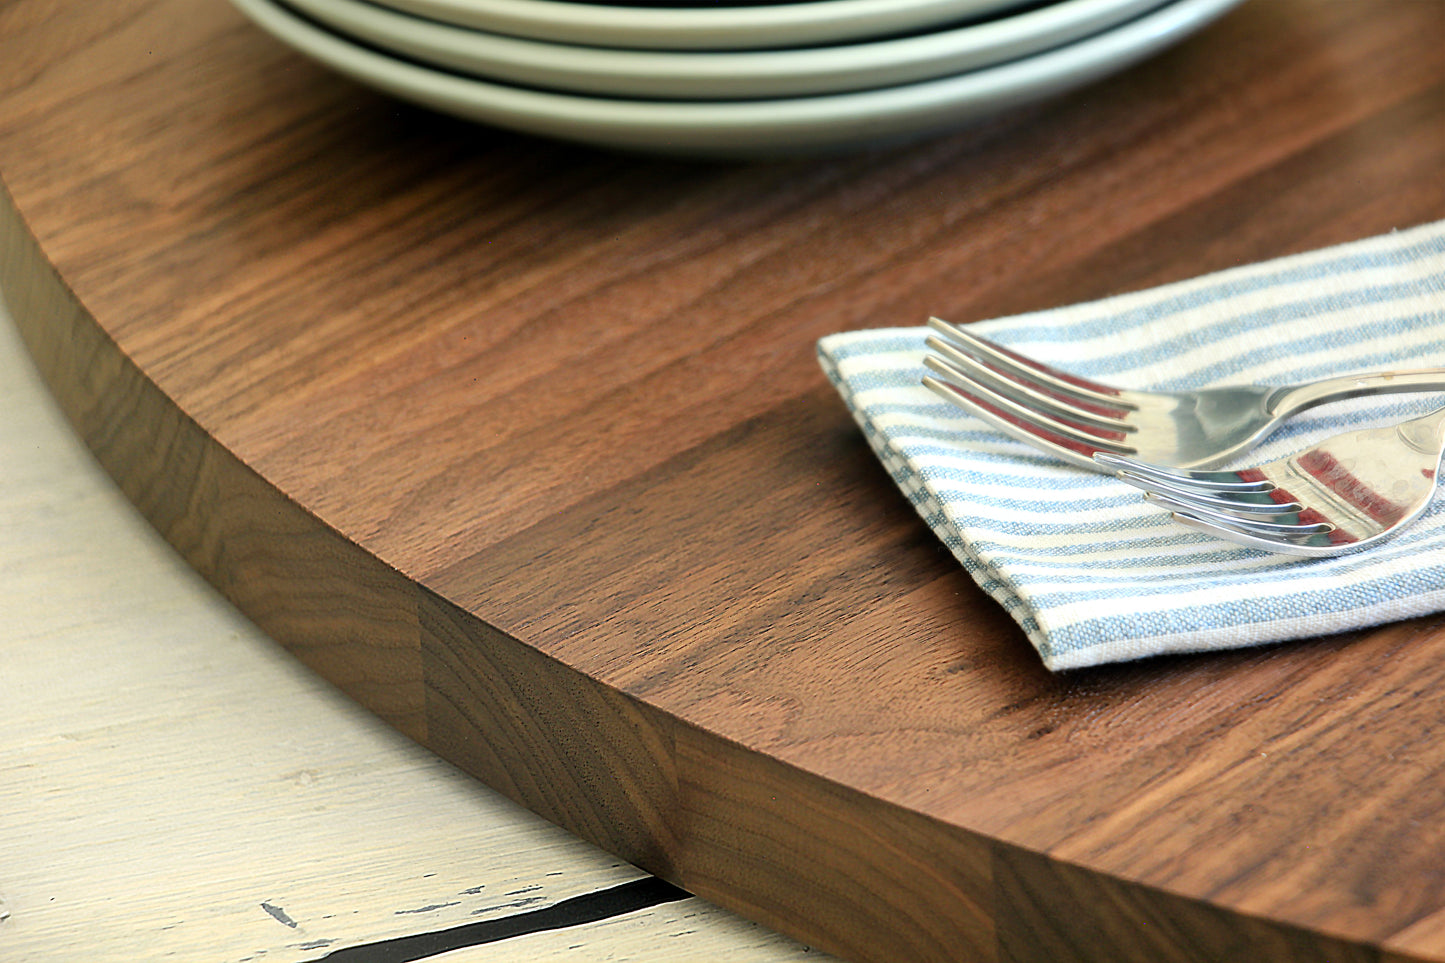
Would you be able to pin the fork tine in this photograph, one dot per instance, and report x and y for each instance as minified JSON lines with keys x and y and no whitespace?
{"x":1227,"y":525}
{"x":1183,"y":477}
{"x":1220,"y":497}
{"x":966,"y":367}
{"x":1019,"y":421}
{"x":1275,"y":544}
{"x":1241,"y":523}
{"x":1109,"y":438}
{"x":1012,"y":363}
{"x":1063,"y":449}
{"x":1241,"y":503}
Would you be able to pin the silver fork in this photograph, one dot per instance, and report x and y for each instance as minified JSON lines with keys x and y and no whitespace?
{"x":1344,"y":494}
{"x":1073,"y":418}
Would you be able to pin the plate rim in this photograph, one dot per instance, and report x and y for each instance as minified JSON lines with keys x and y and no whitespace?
{"x":736,"y":129}
{"x":753,"y":27}
{"x":720,"y":75}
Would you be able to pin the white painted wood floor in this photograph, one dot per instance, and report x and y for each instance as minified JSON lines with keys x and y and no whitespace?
{"x":174,"y":786}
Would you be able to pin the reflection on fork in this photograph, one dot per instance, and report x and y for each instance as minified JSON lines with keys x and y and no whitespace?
{"x":1074,"y":418}
{"x":1344,"y":494}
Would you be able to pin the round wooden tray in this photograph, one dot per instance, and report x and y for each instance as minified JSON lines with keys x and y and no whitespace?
{"x":524,"y":447}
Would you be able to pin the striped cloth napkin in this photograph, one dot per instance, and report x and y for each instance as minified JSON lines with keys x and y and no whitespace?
{"x":1093,"y":573}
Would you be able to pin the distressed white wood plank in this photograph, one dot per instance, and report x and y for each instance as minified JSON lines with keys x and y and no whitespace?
{"x":173,"y":785}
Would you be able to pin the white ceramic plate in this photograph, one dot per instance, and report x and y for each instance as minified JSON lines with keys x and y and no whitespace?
{"x":732,"y":75}
{"x":748,"y":128}
{"x":702,"y":27}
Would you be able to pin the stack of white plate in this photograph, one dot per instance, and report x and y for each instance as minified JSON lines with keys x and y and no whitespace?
{"x":730,"y":77}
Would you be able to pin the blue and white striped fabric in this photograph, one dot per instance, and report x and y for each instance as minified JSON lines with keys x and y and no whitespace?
{"x":1091,"y":572}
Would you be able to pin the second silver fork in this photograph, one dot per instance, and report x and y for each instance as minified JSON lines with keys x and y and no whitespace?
{"x":1340,"y":495}
{"x":1073,"y":418}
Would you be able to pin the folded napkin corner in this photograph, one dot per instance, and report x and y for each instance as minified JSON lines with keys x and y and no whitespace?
{"x":1091,"y":572}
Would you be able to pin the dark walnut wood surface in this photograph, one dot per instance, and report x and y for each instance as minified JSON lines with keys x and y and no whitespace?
{"x":525,"y":447}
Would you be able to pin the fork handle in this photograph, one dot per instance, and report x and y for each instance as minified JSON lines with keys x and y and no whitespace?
{"x":1287,"y":401}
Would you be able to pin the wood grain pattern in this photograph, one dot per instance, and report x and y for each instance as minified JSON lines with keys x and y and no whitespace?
{"x":174,"y":786}
{"x":525,"y":447}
